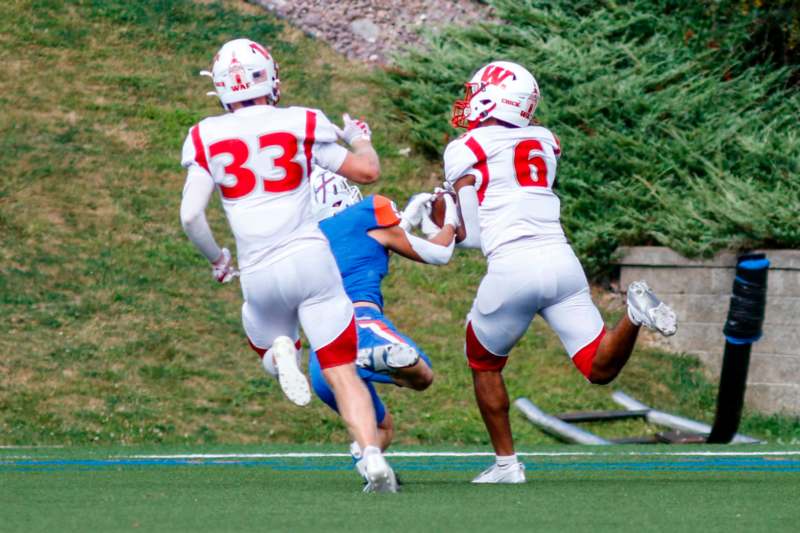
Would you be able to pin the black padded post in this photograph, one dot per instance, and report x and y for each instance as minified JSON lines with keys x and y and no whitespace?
{"x":742,"y":329}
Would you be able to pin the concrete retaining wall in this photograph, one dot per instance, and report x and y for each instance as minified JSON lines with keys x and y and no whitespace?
{"x":699,"y":291}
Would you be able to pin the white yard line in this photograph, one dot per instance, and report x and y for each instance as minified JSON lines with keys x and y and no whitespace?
{"x":32,"y":447}
{"x":311,"y":455}
{"x":317,"y":455}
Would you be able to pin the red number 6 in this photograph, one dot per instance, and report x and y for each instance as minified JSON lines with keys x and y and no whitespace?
{"x":525,"y":158}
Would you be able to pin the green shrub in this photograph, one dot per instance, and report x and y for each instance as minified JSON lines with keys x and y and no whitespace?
{"x":673,"y":133}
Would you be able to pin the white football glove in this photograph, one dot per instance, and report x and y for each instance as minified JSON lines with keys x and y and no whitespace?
{"x":427,"y":226}
{"x":353,"y":130}
{"x":222,"y":269}
{"x":411,"y":216}
{"x":451,"y":212}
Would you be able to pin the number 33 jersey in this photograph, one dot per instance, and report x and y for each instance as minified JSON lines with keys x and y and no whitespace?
{"x":514,"y":169}
{"x":260,"y":158}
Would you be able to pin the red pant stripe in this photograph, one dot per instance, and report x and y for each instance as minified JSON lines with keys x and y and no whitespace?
{"x":585,"y":356}
{"x":262,"y":351}
{"x":479,"y":357}
{"x":259,"y":351}
{"x":341,"y":350}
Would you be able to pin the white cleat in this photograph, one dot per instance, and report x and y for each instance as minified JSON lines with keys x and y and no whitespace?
{"x":387,"y":358}
{"x":644,"y":308}
{"x":514,"y":473}
{"x":380,"y":476}
{"x":292,"y":380}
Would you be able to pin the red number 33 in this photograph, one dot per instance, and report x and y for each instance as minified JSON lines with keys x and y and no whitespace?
{"x":246,"y":179}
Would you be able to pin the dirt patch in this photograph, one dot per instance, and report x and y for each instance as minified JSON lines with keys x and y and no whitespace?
{"x":372,"y":30}
{"x":130,"y":138}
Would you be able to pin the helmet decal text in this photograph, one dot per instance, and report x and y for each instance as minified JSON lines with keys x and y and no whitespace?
{"x":496,"y":75}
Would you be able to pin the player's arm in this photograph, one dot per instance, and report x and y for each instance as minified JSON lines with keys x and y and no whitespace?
{"x":469,"y":233}
{"x":196,"y":193}
{"x":434,"y":251}
{"x":362,"y":164}
{"x":459,"y":172}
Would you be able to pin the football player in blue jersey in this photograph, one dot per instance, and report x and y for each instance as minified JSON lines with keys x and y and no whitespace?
{"x":362,"y":232}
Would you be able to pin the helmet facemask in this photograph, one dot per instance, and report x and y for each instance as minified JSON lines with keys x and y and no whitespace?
{"x":461,"y":108}
{"x":331,"y":193}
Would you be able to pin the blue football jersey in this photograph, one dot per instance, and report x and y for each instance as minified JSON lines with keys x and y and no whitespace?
{"x":363,"y":261}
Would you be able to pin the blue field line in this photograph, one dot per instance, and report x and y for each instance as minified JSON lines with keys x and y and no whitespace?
{"x":429,"y":464}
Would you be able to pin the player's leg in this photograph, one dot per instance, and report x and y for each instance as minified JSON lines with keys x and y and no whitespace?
{"x":353,"y":401}
{"x":490,"y":393}
{"x":613,"y":352}
{"x":324,"y":392}
{"x":392,"y":356}
{"x":599,"y":354}
{"x":615,"y":348}
{"x":417,"y":377}
{"x":352,"y":397}
{"x":386,"y":429}
{"x":271,"y":325}
{"x":327,"y":318}
{"x":500,"y":315}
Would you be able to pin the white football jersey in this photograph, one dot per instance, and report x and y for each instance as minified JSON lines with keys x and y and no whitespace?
{"x":514,"y":169}
{"x":260,"y":158}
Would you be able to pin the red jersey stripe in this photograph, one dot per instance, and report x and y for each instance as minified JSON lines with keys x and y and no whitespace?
{"x":199,"y":150}
{"x":308,"y":143}
{"x":481,"y":166}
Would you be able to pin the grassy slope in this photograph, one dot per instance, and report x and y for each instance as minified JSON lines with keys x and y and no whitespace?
{"x":112,"y":328}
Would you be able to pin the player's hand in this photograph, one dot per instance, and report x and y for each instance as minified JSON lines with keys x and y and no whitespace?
{"x":411,"y":216}
{"x":427,"y":226}
{"x":353,"y":130}
{"x":222,"y":269}
{"x":451,"y":215}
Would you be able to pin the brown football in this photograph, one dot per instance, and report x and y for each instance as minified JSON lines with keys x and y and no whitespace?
{"x":438,"y":207}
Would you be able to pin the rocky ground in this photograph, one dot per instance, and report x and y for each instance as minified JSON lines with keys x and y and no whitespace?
{"x":372,"y":30}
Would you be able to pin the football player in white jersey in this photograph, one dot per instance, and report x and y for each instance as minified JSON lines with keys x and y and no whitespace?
{"x":503,"y":170}
{"x":259,"y":157}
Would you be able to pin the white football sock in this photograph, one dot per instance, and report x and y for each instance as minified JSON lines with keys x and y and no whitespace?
{"x":268,"y":362}
{"x":355,"y":450}
{"x":506,"y":460}
{"x":369,"y":450}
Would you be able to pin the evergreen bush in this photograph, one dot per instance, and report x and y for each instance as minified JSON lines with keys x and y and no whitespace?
{"x":673,"y":131}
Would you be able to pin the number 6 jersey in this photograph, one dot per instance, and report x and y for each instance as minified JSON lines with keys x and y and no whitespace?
{"x":514,"y":169}
{"x":260,"y":158}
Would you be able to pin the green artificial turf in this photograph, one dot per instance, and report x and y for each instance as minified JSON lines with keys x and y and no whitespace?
{"x":619,"y":489}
